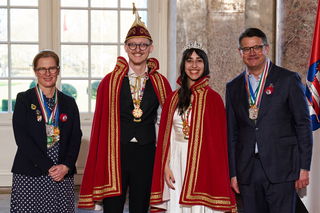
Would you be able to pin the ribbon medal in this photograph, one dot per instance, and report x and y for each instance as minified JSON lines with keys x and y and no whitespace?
{"x":255,"y":96}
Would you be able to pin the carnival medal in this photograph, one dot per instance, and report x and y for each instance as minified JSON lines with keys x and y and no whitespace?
{"x":253,"y":112}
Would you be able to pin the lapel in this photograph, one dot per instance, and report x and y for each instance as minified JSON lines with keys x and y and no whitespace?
{"x":63,"y":109}
{"x":267,"y":99}
{"x":39,"y":126}
{"x":242,"y":102}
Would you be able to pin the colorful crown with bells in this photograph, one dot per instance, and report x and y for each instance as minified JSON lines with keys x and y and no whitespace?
{"x":138,"y":28}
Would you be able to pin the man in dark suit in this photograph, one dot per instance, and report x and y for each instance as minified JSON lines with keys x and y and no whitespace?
{"x":269,"y":130}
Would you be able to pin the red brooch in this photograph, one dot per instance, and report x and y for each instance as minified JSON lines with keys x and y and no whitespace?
{"x":63,"y":117}
{"x":269,"y":90}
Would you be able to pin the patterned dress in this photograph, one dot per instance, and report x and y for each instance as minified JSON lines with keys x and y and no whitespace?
{"x":42,"y":194}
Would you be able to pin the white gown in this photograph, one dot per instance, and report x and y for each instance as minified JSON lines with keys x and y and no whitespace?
{"x":178,"y":160}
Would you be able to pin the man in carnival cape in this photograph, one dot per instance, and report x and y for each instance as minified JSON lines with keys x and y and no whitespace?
{"x":123,"y":137}
{"x":206,"y":180}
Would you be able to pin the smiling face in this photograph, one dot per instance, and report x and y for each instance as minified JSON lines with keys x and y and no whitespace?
{"x":47,"y":79}
{"x":255,"y":58}
{"x":139,"y":54}
{"x":194,"y":68}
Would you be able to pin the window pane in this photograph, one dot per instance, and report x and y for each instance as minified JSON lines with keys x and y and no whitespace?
{"x":126,"y":20}
{"x":4,"y":95}
{"x":74,"y":60}
{"x":103,"y":60}
{"x":3,"y":2}
{"x":3,"y":25}
{"x":78,"y":90}
{"x":24,"y":3}
{"x":24,"y":25}
{"x":104,"y":27}
{"x":18,"y":86}
{"x":3,"y":60}
{"x":104,"y":3}
{"x":123,"y":52}
{"x":22,"y":57}
{"x":94,"y":87}
{"x":74,"y":25}
{"x":74,"y":3}
{"x":138,"y":3}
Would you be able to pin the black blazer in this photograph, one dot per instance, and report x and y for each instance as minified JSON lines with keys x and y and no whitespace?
{"x":282,"y":130}
{"x":30,"y":135}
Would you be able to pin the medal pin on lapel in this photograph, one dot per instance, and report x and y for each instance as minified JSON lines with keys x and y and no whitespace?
{"x":63,"y":117}
{"x":269,"y":90}
{"x":33,"y":107}
{"x":39,"y":118}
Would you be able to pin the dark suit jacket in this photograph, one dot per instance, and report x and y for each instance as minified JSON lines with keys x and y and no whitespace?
{"x":30,"y":135}
{"x":282,"y":130}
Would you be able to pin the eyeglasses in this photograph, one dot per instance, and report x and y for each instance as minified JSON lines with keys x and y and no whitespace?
{"x":43,"y":70}
{"x":142,"y":46}
{"x":256,"y":49}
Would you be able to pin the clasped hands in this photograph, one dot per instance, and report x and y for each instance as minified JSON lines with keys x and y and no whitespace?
{"x":57,"y":172}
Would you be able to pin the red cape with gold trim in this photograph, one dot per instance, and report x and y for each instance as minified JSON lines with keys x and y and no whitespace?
{"x":102,"y":174}
{"x":206,"y":179}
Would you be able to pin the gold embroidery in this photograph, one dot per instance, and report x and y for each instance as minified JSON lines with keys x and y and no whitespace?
{"x":113,"y":185}
{"x":157,"y":196}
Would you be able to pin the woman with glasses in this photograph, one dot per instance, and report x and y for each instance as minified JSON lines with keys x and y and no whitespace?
{"x":191,"y":164}
{"x":47,"y":132}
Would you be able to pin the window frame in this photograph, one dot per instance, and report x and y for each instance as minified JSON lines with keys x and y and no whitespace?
{"x":49,"y":38}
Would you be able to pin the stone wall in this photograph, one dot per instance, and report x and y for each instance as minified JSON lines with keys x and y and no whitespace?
{"x":218,"y":23}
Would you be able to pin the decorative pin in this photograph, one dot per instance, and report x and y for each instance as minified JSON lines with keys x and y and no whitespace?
{"x":33,"y":107}
{"x":269,"y":90}
{"x":63,"y":117}
{"x":39,"y":118}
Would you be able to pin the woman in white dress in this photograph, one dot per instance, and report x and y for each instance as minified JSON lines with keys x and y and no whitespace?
{"x":191,"y":164}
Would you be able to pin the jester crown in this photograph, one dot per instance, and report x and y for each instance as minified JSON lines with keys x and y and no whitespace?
{"x":138,"y":28}
{"x":194,"y":45}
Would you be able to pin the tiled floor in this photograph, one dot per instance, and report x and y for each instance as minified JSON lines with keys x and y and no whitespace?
{"x":5,"y":206}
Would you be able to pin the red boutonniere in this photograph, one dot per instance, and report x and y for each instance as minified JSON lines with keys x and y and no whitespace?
{"x":63,"y":117}
{"x":269,"y":90}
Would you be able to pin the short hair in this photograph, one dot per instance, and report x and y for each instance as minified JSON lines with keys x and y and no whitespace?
{"x":45,"y":54}
{"x":252,"y":32}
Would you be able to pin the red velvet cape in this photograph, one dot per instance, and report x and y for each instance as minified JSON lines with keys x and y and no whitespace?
{"x":206,"y":179}
{"x":102,"y":174}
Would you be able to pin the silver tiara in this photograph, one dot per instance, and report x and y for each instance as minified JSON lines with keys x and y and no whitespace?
{"x":195,"y":45}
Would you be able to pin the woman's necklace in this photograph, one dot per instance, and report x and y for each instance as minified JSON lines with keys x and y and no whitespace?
{"x":185,"y":122}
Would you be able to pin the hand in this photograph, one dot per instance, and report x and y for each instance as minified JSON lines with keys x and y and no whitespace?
{"x":303,"y":180}
{"x":234,"y":184}
{"x":168,"y":177}
{"x":58,"y":172}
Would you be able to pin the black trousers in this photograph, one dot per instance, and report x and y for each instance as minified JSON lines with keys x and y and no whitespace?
{"x":261,"y":196}
{"x":136,"y":169}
